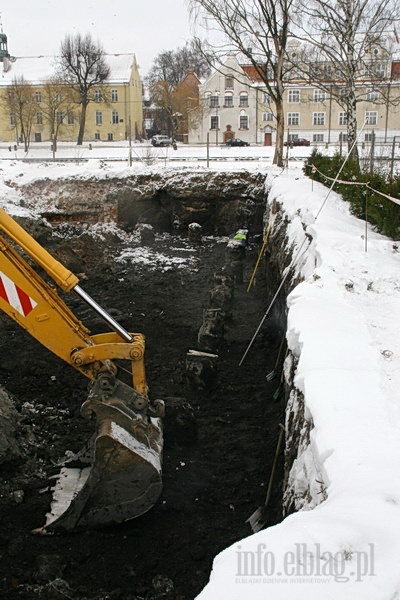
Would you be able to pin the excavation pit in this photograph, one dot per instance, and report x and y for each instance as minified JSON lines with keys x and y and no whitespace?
{"x":214,"y":478}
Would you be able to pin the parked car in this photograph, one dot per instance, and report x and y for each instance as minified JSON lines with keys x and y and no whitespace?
{"x":237,"y":142}
{"x":298,"y":142}
{"x":161,"y":140}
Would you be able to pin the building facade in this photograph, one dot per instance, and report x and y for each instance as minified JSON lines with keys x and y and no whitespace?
{"x":235,"y":103}
{"x":186,"y":99}
{"x":227,"y":107}
{"x":114,"y":114}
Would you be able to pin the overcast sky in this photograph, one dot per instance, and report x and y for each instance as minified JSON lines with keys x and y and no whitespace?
{"x":143,"y":27}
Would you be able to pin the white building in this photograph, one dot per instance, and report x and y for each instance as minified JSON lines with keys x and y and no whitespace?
{"x":228,"y":107}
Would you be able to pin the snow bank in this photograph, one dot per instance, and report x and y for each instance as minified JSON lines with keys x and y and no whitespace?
{"x":344,"y":338}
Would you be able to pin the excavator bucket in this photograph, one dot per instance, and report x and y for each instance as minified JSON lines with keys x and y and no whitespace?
{"x":119,"y":475}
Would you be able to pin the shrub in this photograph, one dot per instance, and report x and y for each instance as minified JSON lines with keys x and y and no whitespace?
{"x":382,"y":213}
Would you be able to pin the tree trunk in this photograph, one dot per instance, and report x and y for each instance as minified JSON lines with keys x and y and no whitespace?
{"x":352,"y":128}
{"x":24,"y":137}
{"x":82,"y":122}
{"x":280,"y":131}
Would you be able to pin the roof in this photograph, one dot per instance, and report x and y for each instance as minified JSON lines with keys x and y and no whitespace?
{"x":121,"y":66}
{"x":36,"y":69}
{"x":252,"y":72}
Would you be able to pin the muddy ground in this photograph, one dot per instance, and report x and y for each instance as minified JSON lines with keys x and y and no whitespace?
{"x":213,"y":481}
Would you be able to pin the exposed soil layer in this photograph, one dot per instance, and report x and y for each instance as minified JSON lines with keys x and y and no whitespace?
{"x":212,"y":482}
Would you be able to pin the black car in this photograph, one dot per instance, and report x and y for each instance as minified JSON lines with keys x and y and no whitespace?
{"x":237,"y":142}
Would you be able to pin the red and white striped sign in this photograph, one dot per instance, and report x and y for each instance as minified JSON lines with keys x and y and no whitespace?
{"x":17,"y":298}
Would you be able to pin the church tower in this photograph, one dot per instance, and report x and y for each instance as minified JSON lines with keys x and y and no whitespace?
{"x":3,"y":44}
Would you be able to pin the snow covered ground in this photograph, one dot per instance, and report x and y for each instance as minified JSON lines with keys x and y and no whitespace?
{"x":344,"y":326}
{"x":143,"y":152}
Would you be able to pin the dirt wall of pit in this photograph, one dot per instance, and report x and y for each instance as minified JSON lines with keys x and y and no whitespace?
{"x":299,"y":491}
{"x":220,"y":202}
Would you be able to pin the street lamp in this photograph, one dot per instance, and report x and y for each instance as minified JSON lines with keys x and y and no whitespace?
{"x":216,"y":115}
{"x":216,"y":125}
{"x":392,"y":159}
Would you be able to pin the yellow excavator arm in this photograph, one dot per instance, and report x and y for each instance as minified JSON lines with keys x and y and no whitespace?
{"x":37,"y":307}
{"x":125,"y":477}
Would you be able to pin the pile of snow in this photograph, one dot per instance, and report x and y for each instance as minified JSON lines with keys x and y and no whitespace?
{"x":159,"y":261}
{"x":344,"y":328}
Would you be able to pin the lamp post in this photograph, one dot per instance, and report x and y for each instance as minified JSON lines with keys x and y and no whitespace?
{"x":216,"y":106}
{"x":217,"y":123}
{"x":392,"y":158}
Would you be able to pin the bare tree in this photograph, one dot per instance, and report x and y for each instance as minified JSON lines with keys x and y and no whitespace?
{"x":172,"y":93}
{"x":20,"y":104}
{"x":350,"y":51}
{"x":173,"y":65}
{"x":82,"y":64}
{"x":162,"y":96}
{"x":58,"y":105}
{"x":172,"y":105}
{"x":259,"y":30}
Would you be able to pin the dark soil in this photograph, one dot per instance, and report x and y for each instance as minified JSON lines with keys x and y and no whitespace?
{"x":212,"y":482}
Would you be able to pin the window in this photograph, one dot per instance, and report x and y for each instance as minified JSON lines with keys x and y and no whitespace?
{"x":114,"y":95}
{"x":368,"y":69}
{"x":13,"y":119}
{"x":267,"y":98}
{"x":371,"y":117}
{"x":214,"y":123}
{"x":110,"y":137}
{"x":59,"y":117}
{"x":39,"y":118}
{"x":243,"y":100}
{"x":315,"y":70}
{"x":269,"y":72}
{"x":372,"y":95}
{"x":343,"y":137}
{"x":38,"y":137}
{"x":319,"y":118}
{"x":58,"y":97}
{"x":319,"y":96}
{"x":368,"y":137}
{"x":214,"y":101}
{"x":70,"y":118}
{"x":294,"y":96}
{"x":96,"y":136}
{"x":38,"y":97}
{"x":318,"y":137}
{"x":375,"y":70}
{"x":114,"y":117}
{"x":228,"y":100}
{"x":229,"y":82}
{"x":244,"y":122}
{"x":97,"y":96}
{"x":342,"y":118}
{"x":99,"y":117}
{"x":293,"y":118}
{"x":268,"y":116}
{"x":380,"y":70}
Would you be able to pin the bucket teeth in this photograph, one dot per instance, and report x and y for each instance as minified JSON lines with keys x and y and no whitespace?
{"x":124,"y":479}
{"x":123,"y":482}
